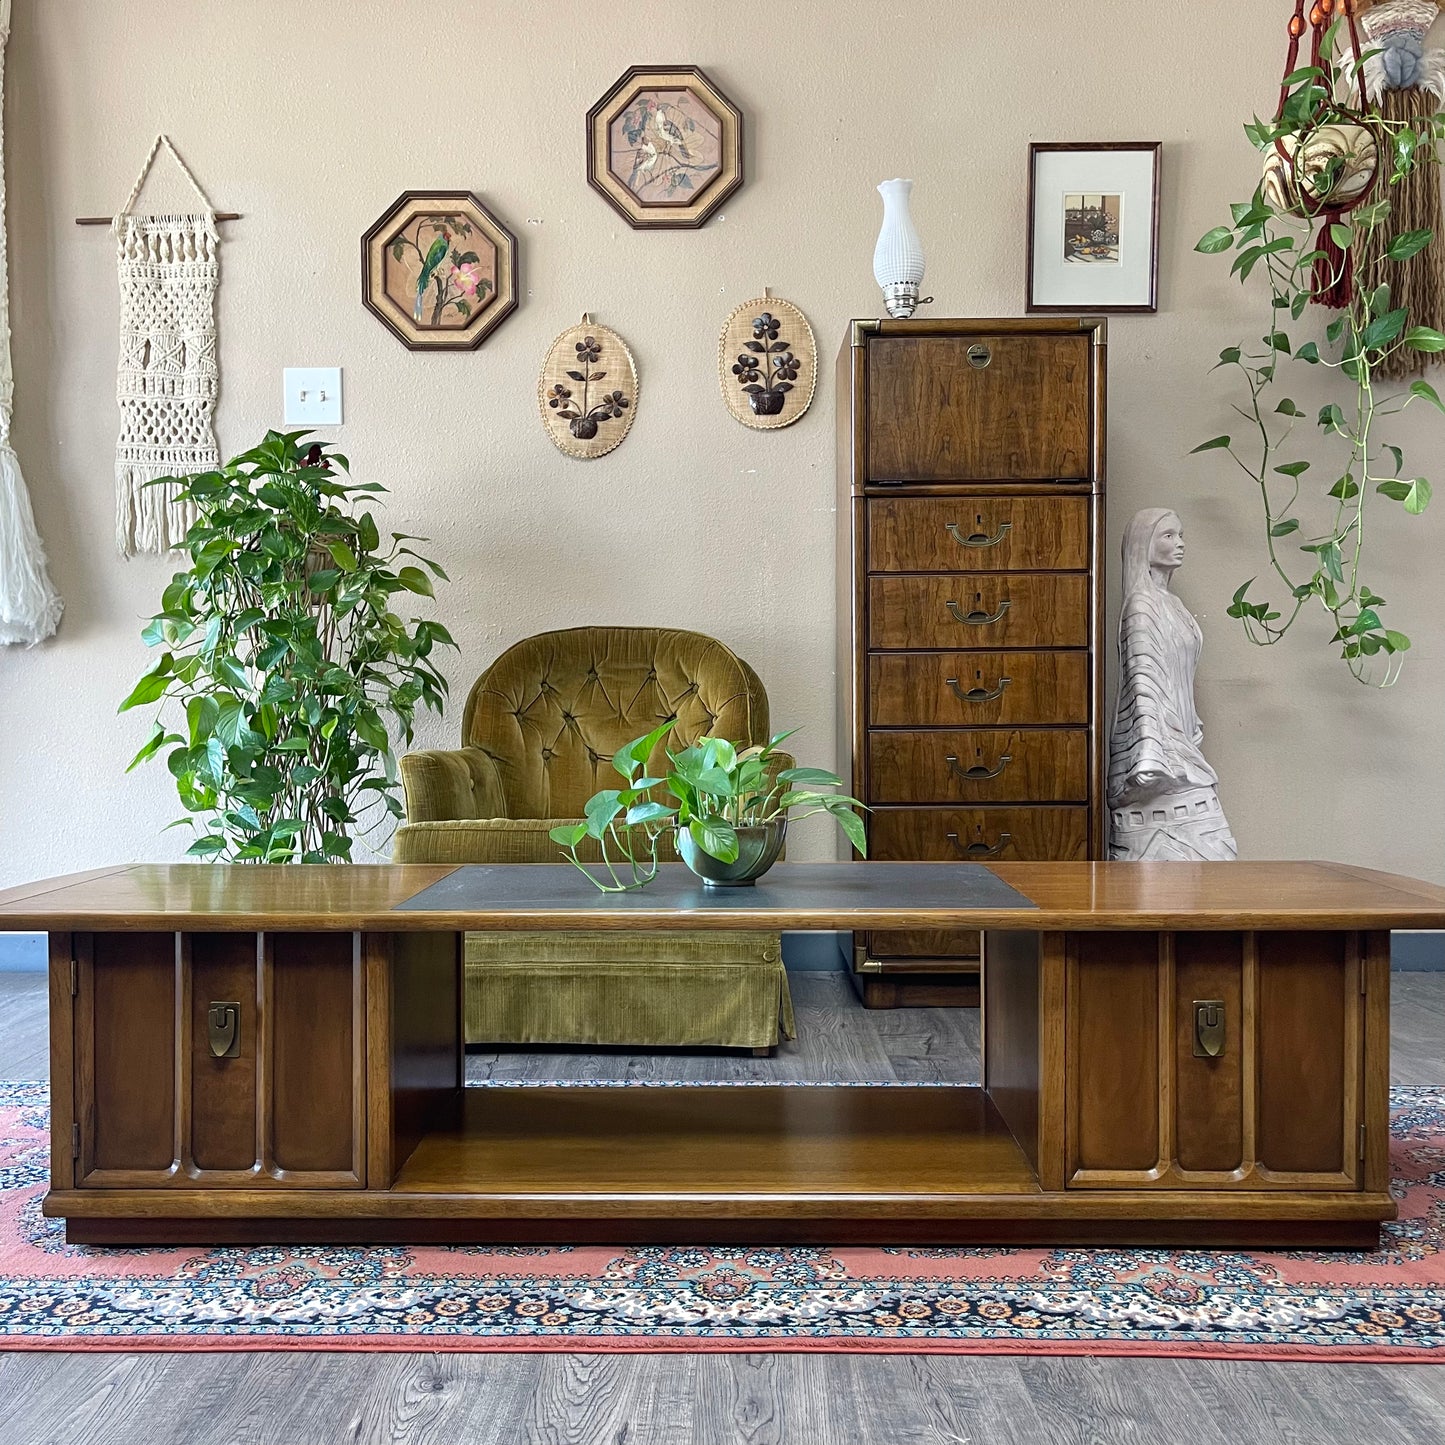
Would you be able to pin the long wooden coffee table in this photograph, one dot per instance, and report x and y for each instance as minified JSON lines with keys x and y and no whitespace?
{"x":1174,"y":1053}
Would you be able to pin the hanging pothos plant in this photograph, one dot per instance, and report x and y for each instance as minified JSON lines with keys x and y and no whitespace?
{"x":1324,"y":158}
{"x":284,"y":666}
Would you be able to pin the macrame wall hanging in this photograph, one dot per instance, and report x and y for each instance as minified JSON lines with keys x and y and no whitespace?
{"x":168,"y":377}
{"x":1331,"y":166}
{"x":1405,"y":79}
{"x":29,"y":606}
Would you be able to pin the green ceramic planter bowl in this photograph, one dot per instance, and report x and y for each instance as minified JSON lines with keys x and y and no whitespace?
{"x":758,"y":849}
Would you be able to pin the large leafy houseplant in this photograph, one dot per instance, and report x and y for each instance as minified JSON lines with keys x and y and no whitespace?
{"x":283,"y":662}
{"x":1272,"y":234}
{"x":711,"y":791}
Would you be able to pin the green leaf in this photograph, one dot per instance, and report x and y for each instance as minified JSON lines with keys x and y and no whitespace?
{"x":151,"y":687}
{"x":415,"y":580}
{"x":342,"y":555}
{"x":1424,"y":338}
{"x":601,"y":809}
{"x":1332,"y":418}
{"x":1408,"y":244}
{"x":1397,"y":641}
{"x":1292,"y":469}
{"x":716,"y":838}
{"x":569,"y":835}
{"x":852,"y":825}
{"x":1398,"y":455}
{"x":158,"y":739}
{"x":1288,"y":408}
{"x":1213,"y":444}
{"x":1424,"y":389}
{"x":1342,"y":235}
{"x":810,"y":778}
{"x":1383,"y":330}
{"x":1345,"y":489}
{"x":648,"y":812}
{"x":1308,"y":353}
{"x":1221,"y":238}
{"x":1415,"y":495}
{"x":1229,"y":356}
{"x":1284,"y":528}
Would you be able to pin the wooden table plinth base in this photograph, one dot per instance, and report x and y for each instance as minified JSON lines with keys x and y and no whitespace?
{"x":1159,"y":1069}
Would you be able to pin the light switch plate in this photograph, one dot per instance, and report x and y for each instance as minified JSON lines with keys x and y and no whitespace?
{"x":313,"y":395}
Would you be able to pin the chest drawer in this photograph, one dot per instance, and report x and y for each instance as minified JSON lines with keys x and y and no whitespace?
{"x":986,"y":765}
{"x":980,"y":609}
{"x":977,"y":534}
{"x":978,"y":835}
{"x":978,"y":408}
{"x":977,"y":689}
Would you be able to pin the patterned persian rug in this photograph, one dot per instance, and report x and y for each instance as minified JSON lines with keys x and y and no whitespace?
{"x":1386,"y":1305}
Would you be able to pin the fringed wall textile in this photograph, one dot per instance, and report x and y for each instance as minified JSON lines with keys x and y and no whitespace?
{"x":29,"y":606}
{"x":168,"y":376}
{"x":1405,"y":78}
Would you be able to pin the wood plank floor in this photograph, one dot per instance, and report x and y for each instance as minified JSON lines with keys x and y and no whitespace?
{"x":754,"y":1399}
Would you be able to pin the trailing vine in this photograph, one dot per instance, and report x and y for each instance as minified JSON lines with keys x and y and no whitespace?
{"x":1276,"y":240}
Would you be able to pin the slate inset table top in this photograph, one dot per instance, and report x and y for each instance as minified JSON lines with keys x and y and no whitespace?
{"x":787,"y":889}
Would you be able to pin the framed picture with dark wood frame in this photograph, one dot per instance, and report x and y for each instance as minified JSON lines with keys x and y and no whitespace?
{"x":664,"y":147}
{"x":439,"y":270}
{"x":1093,"y":226}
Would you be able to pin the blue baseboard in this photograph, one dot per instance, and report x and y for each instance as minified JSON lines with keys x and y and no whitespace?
{"x":802,"y":952}
{"x":815,"y":952}
{"x":1417,"y":953}
{"x":22,"y":953}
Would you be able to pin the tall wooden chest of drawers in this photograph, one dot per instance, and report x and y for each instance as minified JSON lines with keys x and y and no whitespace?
{"x":970,"y":529}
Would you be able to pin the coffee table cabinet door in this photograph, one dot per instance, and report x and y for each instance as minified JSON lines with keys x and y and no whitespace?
{"x":218,"y":1060}
{"x":1214,"y":1061}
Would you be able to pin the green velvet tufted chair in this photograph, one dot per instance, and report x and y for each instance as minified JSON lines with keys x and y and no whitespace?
{"x":538,"y":734}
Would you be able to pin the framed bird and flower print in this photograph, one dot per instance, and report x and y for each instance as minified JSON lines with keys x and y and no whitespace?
{"x":439,"y":270}
{"x":665,"y":147}
{"x":1093,"y":226}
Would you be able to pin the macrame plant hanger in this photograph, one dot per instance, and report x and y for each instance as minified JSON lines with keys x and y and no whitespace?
{"x":29,"y":606}
{"x":1333,"y":269}
{"x":167,"y":379}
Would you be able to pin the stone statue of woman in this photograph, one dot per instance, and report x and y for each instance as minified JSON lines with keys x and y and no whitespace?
{"x":1162,"y":797}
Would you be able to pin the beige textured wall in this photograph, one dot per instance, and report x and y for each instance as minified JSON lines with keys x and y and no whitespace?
{"x":310,"y":117}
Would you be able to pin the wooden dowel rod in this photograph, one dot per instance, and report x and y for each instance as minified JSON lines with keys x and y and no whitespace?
{"x":107,"y":220}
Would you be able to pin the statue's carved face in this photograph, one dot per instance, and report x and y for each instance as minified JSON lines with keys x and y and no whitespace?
{"x":1166,"y":547}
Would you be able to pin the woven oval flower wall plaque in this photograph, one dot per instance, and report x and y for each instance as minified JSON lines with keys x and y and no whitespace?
{"x":767,"y":363}
{"x":588,"y":390}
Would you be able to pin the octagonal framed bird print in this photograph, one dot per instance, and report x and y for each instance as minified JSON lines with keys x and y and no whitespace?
{"x":439,"y":270}
{"x":665,"y":147}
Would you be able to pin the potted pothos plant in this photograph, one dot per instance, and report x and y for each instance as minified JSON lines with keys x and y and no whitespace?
{"x":284,"y":664}
{"x":1324,"y":159}
{"x":728,"y":809}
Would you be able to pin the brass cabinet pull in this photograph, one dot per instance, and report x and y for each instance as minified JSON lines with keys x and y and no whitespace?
{"x":980,"y":849}
{"x":1208,"y":1028}
{"x":979,"y":539}
{"x":978,"y":773}
{"x":977,"y":694}
{"x":978,"y":617}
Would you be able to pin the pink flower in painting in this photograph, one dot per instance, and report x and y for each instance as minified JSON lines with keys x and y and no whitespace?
{"x":468,"y":277}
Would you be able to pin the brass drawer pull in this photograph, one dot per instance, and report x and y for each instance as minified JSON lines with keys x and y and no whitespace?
{"x":979,"y":539}
{"x":978,"y":773}
{"x":978,"y":617}
{"x":980,"y":849}
{"x":977,"y":694}
{"x":1208,"y":1028}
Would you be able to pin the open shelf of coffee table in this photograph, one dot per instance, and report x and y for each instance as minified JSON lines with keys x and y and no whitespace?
{"x":746,"y":1140}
